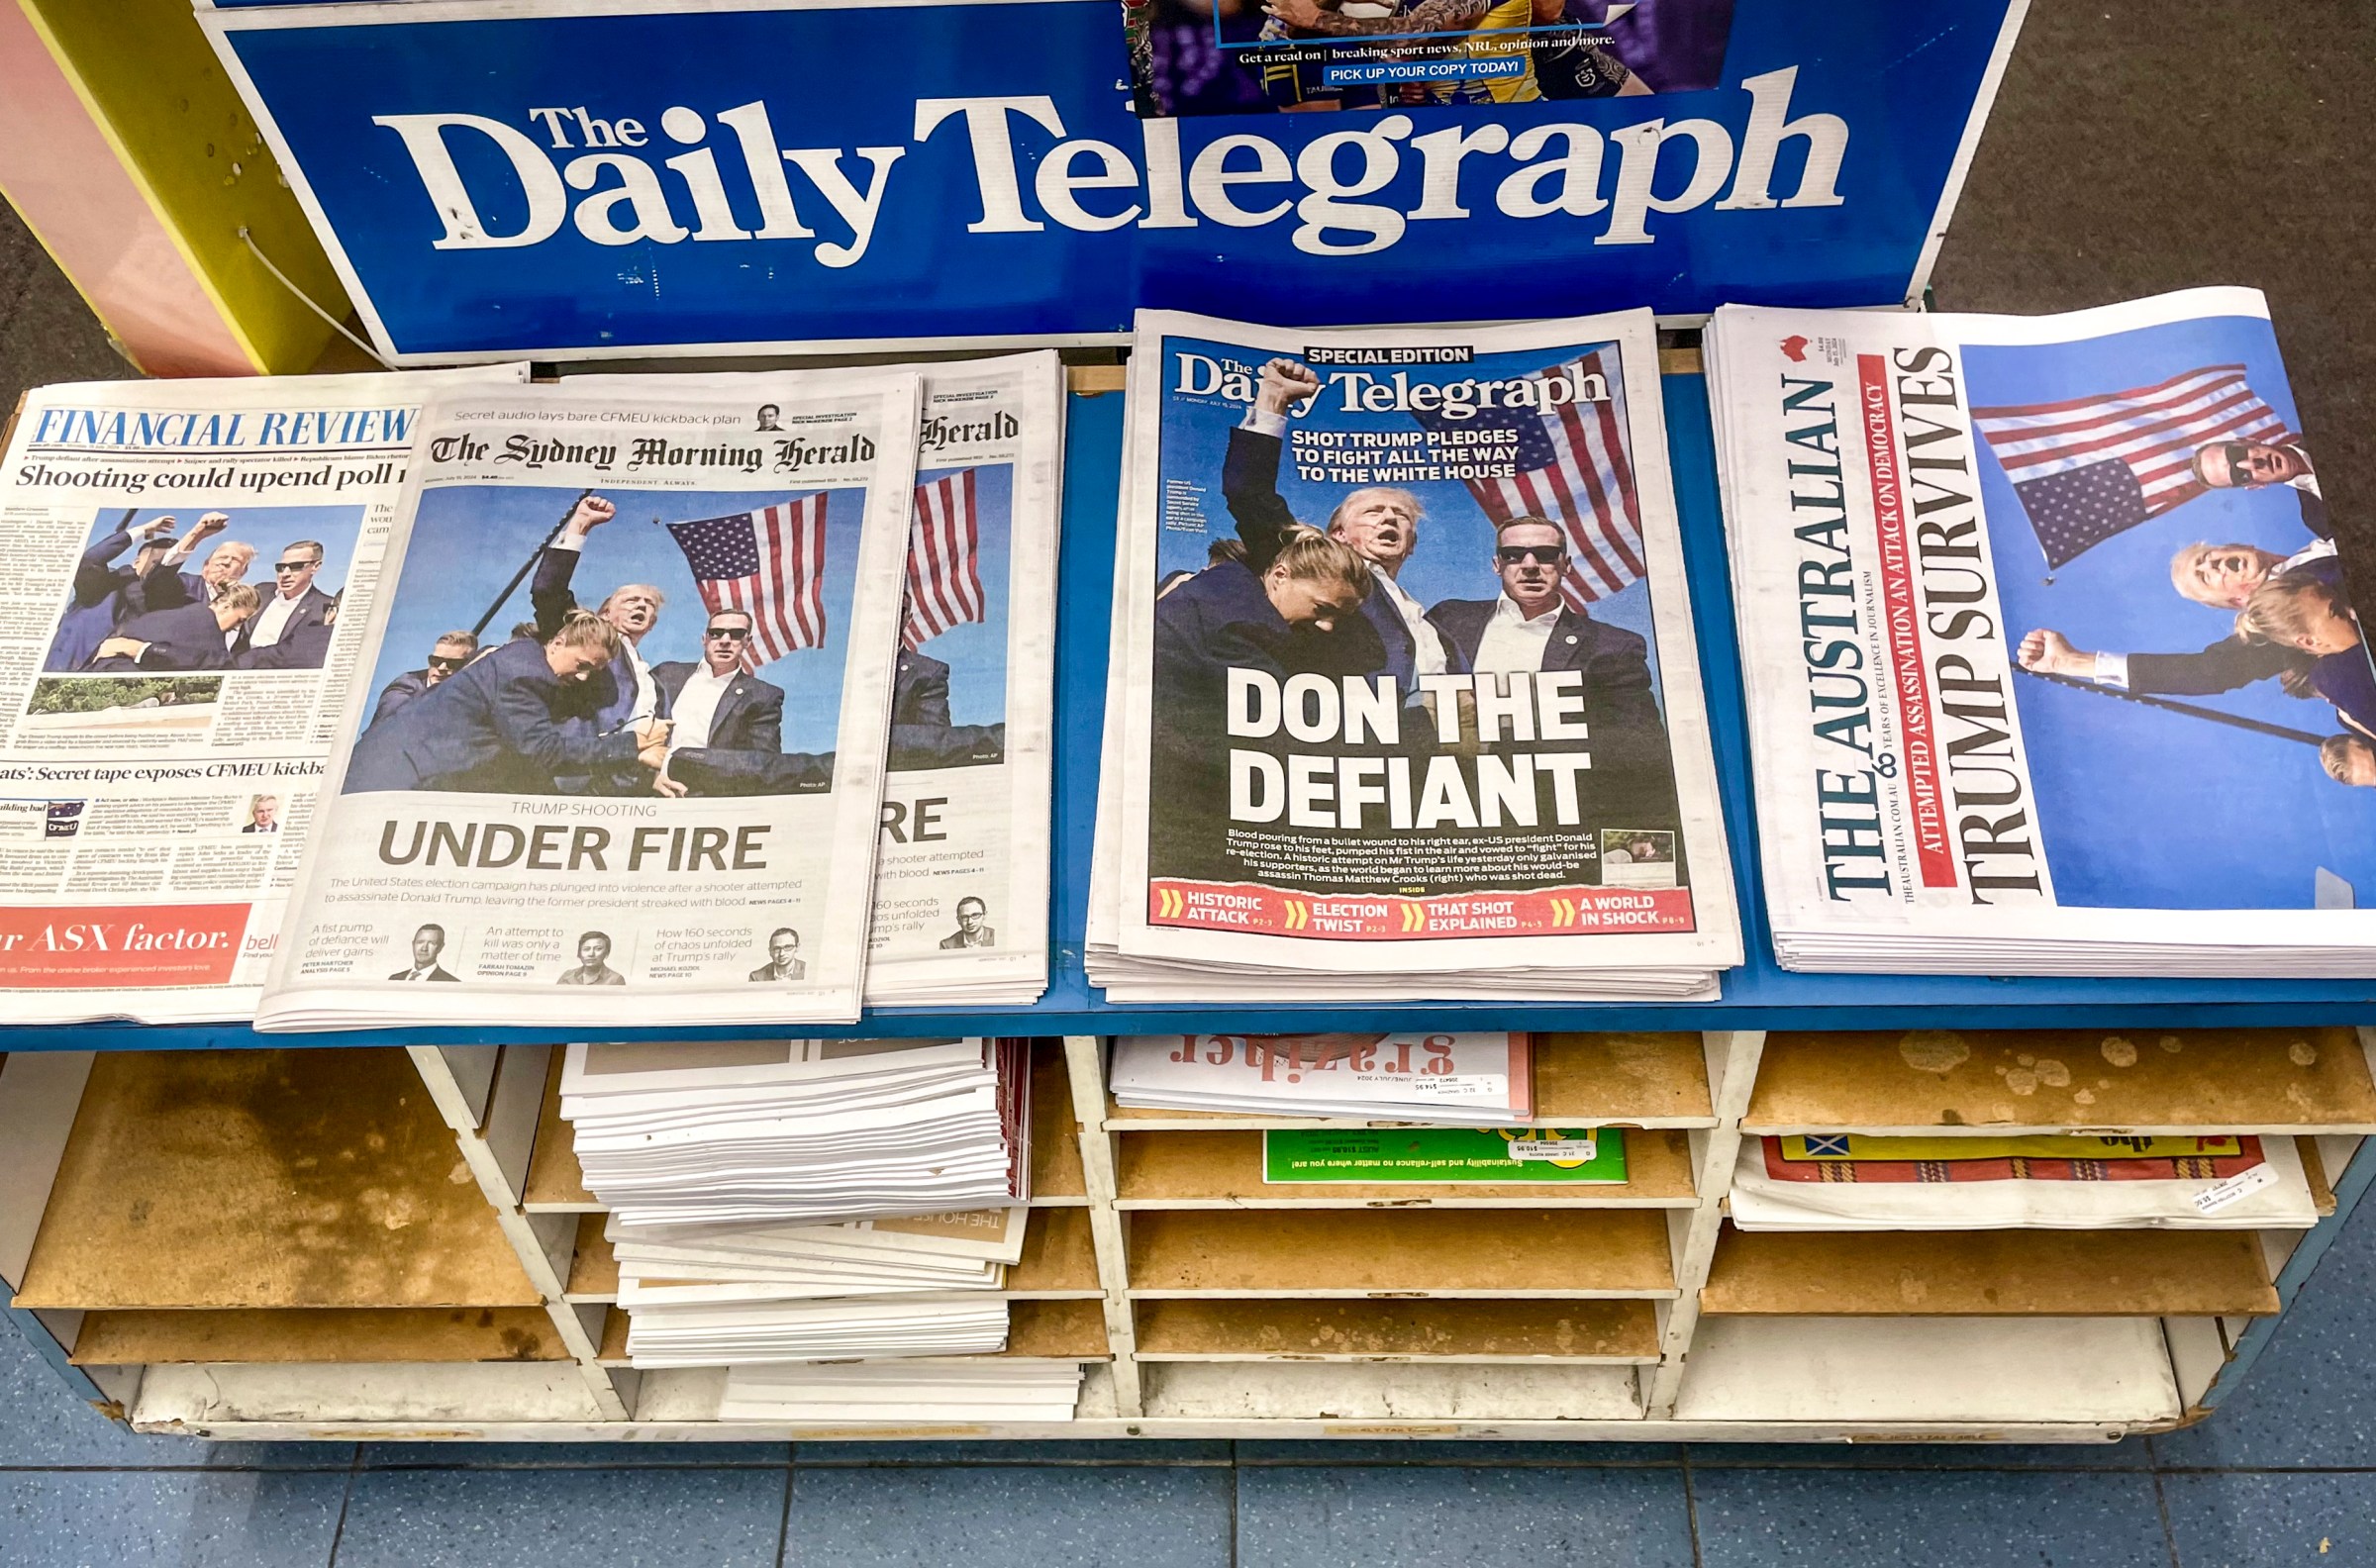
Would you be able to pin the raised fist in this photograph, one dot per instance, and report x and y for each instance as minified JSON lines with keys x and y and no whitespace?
{"x":1283,"y":384}
{"x":590,"y":513}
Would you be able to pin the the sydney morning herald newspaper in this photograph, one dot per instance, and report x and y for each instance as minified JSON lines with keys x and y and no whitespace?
{"x":960,"y":889}
{"x":193,"y":562}
{"x":2049,"y":649}
{"x":1410,"y":684}
{"x":659,"y":772}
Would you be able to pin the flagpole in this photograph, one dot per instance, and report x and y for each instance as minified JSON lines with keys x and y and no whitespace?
{"x":528,"y":564}
{"x":2238,"y":720}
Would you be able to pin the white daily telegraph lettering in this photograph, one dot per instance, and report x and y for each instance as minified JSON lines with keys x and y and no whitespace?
{"x":620,"y":182}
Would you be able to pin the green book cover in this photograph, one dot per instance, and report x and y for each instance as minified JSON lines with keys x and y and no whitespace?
{"x":1445,"y":1154}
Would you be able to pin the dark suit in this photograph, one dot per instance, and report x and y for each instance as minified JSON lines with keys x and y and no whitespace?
{"x":304,"y":641}
{"x":749,"y":715}
{"x":436,"y":973}
{"x":1632,"y":782}
{"x":396,"y":693}
{"x":187,"y":639}
{"x":767,"y":971}
{"x":2346,"y":680}
{"x":98,"y":606}
{"x":262,"y":828}
{"x":608,"y":701}
{"x":1249,"y":483}
{"x":492,"y":725}
{"x":955,"y":941}
{"x":922,"y":736}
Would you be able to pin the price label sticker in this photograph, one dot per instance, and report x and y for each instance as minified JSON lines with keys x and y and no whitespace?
{"x":1581,"y":1152}
{"x":2218,"y":1196}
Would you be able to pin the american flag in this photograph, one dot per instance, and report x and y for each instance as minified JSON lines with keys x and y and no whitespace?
{"x":769,"y":563}
{"x":1572,"y":468}
{"x":944,"y":570}
{"x":2087,"y":468}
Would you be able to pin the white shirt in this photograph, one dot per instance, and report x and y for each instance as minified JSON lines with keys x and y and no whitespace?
{"x":275,"y":616}
{"x":1510,"y":640}
{"x":696,"y":708}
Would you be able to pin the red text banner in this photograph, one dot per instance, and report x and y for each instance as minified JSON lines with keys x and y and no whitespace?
{"x":101,"y":949}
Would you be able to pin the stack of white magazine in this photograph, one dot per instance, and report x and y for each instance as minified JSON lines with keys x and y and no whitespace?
{"x":961,"y":871}
{"x":735,"y":1332}
{"x":2024,"y":604}
{"x":703,"y":1134}
{"x":992,"y":1391}
{"x":660,"y":1265}
{"x":1458,"y":1080}
{"x":1405,"y":700}
{"x":1852,"y":1182}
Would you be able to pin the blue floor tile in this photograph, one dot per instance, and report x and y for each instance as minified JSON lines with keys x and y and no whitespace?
{"x":2129,"y":1454}
{"x":1304,"y":1516}
{"x":2310,"y":1397}
{"x":998,"y":1516}
{"x":1055,"y":1451}
{"x":2246,"y":1520}
{"x":572,"y":1455}
{"x":1344,"y":1451}
{"x":563,"y":1518}
{"x":2005,"y":1519}
{"x":42,"y":1425}
{"x":185,"y":1518}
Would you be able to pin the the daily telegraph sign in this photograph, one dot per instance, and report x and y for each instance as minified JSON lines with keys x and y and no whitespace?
{"x":498,"y":177}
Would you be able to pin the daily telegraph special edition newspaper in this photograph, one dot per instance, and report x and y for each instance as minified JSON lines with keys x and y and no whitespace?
{"x":2051,"y":662}
{"x":192,"y":565}
{"x":1412,"y":700}
{"x":660,"y":772}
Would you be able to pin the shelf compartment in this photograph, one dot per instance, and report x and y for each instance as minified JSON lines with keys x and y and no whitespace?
{"x":322,"y":1336}
{"x":1406,"y":1400}
{"x":2002,"y":1082}
{"x":1990,"y":1274}
{"x":1648,"y":1080}
{"x":315,"y":1177}
{"x":1476,"y":1331}
{"x":1059,"y":1257}
{"x":1491,"y":1252}
{"x":593,"y":1267}
{"x":1045,"y":1331}
{"x":556,"y":1185}
{"x":1944,"y":1372}
{"x":1222,"y":1169}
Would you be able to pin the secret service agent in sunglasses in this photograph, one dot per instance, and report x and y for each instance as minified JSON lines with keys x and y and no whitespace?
{"x":293,"y":566}
{"x":447,"y":662}
{"x":1540,"y":555}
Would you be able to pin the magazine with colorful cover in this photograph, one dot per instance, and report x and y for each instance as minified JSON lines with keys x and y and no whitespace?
{"x":1488,"y":1156}
{"x":2052,"y":655}
{"x":1410,"y":696}
{"x":661,"y":771}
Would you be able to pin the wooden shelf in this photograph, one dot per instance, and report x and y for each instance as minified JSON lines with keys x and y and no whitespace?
{"x":1932,"y":1081}
{"x":1580,"y":1080}
{"x":593,"y":1269}
{"x":555,"y":1184}
{"x":326,"y":1335}
{"x":1059,"y":1257}
{"x":1047,"y":1331}
{"x":265,"y":1178}
{"x":1624,"y":1331}
{"x":1222,"y":1169}
{"x":1990,"y":1274}
{"x":1493,"y":1252}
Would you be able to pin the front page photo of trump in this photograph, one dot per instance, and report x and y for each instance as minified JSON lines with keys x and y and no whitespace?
{"x":627,"y":702}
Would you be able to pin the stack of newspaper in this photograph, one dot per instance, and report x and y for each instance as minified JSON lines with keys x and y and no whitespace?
{"x":1404,"y":698}
{"x":2052,"y":661}
{"x":738,"y":1178}
{"x":700,"y":1133}
{"x":986,"y":1391}
{"x":1848,"y":1181}
{"x":1460,"y":1080}
{"x":441,"y":698}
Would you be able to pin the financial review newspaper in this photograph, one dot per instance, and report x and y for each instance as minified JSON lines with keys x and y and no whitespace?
{"x":1409,"y":682}
{"x":659,"y":773}
{"x":2051,"y":659}
{"x":192,"y":565}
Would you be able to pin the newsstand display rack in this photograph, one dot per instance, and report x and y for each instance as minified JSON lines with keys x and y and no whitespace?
{"x":222,"y":1233}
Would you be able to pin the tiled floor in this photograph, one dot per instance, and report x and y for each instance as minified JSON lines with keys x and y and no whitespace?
{"x":2284,"y":1473}
{"x":2138,"y":145}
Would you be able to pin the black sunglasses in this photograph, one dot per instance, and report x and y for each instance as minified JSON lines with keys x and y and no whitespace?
{"x":1540,"y":555}
{"x":2239,"y":461}
{"x":281,"y":566}
{"x":446,"y":662}
{"x":730,"y":633}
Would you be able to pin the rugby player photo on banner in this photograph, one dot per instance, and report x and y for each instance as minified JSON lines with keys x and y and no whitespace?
{"x":629,"y":648}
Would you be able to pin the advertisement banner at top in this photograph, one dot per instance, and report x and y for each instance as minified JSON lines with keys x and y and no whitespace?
{"x":588,"y":178}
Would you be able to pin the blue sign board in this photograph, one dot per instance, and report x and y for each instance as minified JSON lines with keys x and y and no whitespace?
{"x":637,"y":176}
